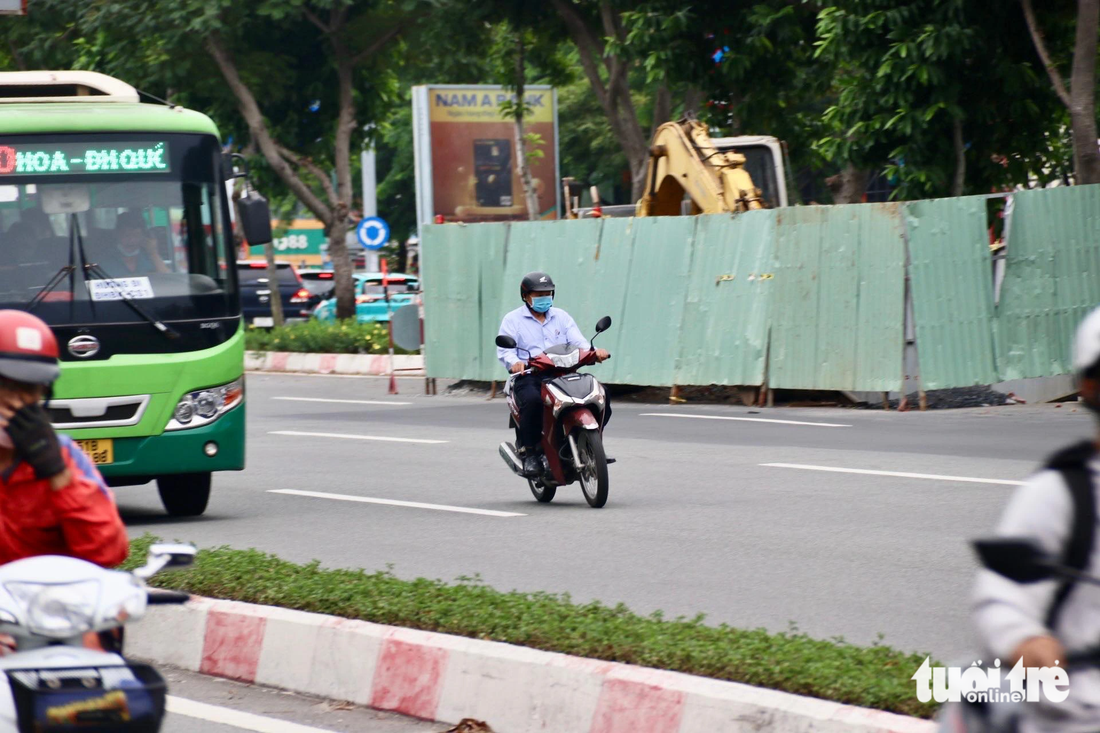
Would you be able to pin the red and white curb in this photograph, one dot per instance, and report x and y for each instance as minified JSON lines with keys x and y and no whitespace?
{"x":446,"y":678}
{"x":406,"y":365}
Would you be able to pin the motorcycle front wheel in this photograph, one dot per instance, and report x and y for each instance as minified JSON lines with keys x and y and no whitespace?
{"x":594,"y":481}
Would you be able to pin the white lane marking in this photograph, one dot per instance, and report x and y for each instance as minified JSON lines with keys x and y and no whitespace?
{"x":341,"y":402}
{"x":897,"y":474}
{"x":349,"y":436}
{"x":744,"y":419}
{"x":235,"y":718}
{"x":395,"y":502}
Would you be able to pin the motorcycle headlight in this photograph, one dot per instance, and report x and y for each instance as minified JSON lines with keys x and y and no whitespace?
{"x":59,"y":611}
{"x":204,"y":406}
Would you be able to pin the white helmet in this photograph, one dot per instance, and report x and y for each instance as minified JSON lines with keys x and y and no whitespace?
{"x":1086,"y":346}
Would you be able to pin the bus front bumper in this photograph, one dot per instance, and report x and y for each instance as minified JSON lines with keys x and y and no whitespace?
{"x":140,"y":460}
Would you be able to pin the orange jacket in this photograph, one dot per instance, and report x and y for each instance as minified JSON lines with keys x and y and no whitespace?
{"x":79,"y":520}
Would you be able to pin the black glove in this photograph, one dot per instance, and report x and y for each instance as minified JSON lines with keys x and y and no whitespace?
{"x":35,"y":441}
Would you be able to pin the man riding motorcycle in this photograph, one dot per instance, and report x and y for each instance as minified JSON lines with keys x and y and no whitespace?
{"x":1044,"y":622}
{"x":536,"y":326}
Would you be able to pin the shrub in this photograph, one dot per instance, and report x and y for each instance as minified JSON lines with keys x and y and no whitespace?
{"x":325,"y":337}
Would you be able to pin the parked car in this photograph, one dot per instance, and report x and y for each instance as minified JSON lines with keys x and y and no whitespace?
{"x":319,"y":282}
{"x":298,"y":302}
{"x":370,"y":297}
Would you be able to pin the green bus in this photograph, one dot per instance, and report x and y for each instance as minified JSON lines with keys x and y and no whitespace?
{"x":115,"y":229}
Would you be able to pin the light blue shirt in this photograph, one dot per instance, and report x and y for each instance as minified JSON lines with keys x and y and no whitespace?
{"x":521,"y":324}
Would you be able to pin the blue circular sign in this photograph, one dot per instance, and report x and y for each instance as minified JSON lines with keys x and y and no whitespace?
{"x":373,"y":232}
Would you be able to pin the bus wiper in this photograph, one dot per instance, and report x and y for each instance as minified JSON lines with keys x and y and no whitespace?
{"x":58,"y":277}
{"x":77,"y":239}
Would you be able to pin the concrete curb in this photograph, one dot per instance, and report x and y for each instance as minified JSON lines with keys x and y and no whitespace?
{"x":368,"y":364}
{"x":446,"y":678}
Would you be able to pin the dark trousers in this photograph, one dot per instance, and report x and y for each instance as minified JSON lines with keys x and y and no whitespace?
{"x":528,"y":392}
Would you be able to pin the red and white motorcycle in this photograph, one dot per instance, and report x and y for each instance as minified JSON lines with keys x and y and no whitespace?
{"x":572,"y":423}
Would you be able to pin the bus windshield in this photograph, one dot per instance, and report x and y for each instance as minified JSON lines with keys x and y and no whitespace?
{"x":90,"y":222}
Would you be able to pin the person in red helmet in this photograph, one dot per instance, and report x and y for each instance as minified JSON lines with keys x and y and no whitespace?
{"x":52,"y":499}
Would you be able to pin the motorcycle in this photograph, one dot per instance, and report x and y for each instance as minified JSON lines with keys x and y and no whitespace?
{"x":573,"y":420}
{"x":49,"y":606}
{"x":1022,"y":561}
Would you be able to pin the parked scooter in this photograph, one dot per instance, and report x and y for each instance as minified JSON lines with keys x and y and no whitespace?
{"x":1022,"y":561}
{"x":573,"y":420}
{"x":48,"y":605}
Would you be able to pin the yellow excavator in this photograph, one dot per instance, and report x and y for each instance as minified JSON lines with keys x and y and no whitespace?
{"x":691,"y":173}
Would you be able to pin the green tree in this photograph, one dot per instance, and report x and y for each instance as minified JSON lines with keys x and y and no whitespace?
{"x":303,"y":76}
{"x":938,"y":93}
{"x":741,"y":67}
{"x":599,"y":33}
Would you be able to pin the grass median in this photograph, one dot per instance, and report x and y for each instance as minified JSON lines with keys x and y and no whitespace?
{"x":875,"y":676}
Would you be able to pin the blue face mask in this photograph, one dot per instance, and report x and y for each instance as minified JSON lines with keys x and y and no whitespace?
{"x":542,"y":303}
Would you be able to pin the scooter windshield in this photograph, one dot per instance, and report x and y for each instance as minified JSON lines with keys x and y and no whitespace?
{"x":563,"y":356}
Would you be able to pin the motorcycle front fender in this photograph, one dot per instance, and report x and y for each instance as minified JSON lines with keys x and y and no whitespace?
{"x":580,"y":417}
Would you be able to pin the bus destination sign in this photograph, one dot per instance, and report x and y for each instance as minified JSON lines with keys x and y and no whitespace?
{"x":18,"y":159}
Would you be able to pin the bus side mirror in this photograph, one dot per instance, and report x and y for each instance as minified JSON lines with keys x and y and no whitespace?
{"x":255,"y":218}
{"x":229,"y":166}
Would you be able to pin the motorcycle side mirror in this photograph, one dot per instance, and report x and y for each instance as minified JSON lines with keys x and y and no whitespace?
{"x":166,"y":555}
{"x":1020,"y":560}
{"x":603,"y":324}
{"x":506,"y":342}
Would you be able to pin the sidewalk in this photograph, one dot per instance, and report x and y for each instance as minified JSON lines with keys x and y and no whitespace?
{"x":446,"y":678}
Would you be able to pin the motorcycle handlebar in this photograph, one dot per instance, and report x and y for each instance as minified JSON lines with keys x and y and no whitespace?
{"x":162,"y":597}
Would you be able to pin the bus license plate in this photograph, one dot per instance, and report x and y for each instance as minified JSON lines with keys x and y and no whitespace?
{"x":100,"y":451}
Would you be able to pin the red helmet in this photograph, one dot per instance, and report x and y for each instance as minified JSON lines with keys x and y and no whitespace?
{"x":28,"y":349}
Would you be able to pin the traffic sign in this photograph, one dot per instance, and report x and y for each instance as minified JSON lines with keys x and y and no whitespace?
{"x":373,"y":232}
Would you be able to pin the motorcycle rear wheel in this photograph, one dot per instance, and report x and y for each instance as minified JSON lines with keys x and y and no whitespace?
{"x":594,"y":481}
{"x":543,"y":494}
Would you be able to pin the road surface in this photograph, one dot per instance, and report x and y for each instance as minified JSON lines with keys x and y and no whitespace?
{"x":718,"y":510}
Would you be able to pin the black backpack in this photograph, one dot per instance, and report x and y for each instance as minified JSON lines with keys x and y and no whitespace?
{"x":1072,"y":463}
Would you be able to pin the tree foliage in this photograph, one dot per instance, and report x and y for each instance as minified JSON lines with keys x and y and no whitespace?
{"x":943,"y":96}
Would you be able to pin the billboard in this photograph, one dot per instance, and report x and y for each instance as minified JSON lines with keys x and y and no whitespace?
{"x":301,"y":242}
{"x":13,"y":7}
{"x":466,"y":153}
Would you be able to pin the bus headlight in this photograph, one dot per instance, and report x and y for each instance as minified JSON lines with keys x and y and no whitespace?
{"x":185,"y":410}
{"x":204,"y":406}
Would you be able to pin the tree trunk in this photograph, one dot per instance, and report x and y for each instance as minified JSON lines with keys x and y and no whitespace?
{"x":693,"y":100}
{"x":276,"y":296}
{"x":960,"y":158}
{"x":848,"y":186}
{"x":257,"y":127}
{"x":337,"y":232}
{"x":530,"y":196}
{"x":662,"y":108}
{"x":1082,"y":109}
{"x":1080,"y":99}
{"x":343,"y":282}
{"x":614,"y":96}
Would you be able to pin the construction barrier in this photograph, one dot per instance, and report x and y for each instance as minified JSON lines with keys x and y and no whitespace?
{"x":808,"y":297}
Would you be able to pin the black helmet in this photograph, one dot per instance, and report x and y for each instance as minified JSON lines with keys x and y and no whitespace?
{"x":535,"y":282}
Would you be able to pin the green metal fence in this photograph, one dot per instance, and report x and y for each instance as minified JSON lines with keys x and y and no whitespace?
{"x":797,"y":298}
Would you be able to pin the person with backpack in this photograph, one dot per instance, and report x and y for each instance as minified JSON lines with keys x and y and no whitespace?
{"x":1041,"y":623}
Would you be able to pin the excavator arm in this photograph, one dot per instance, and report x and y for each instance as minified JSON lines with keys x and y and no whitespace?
{"x":684,"y":160}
